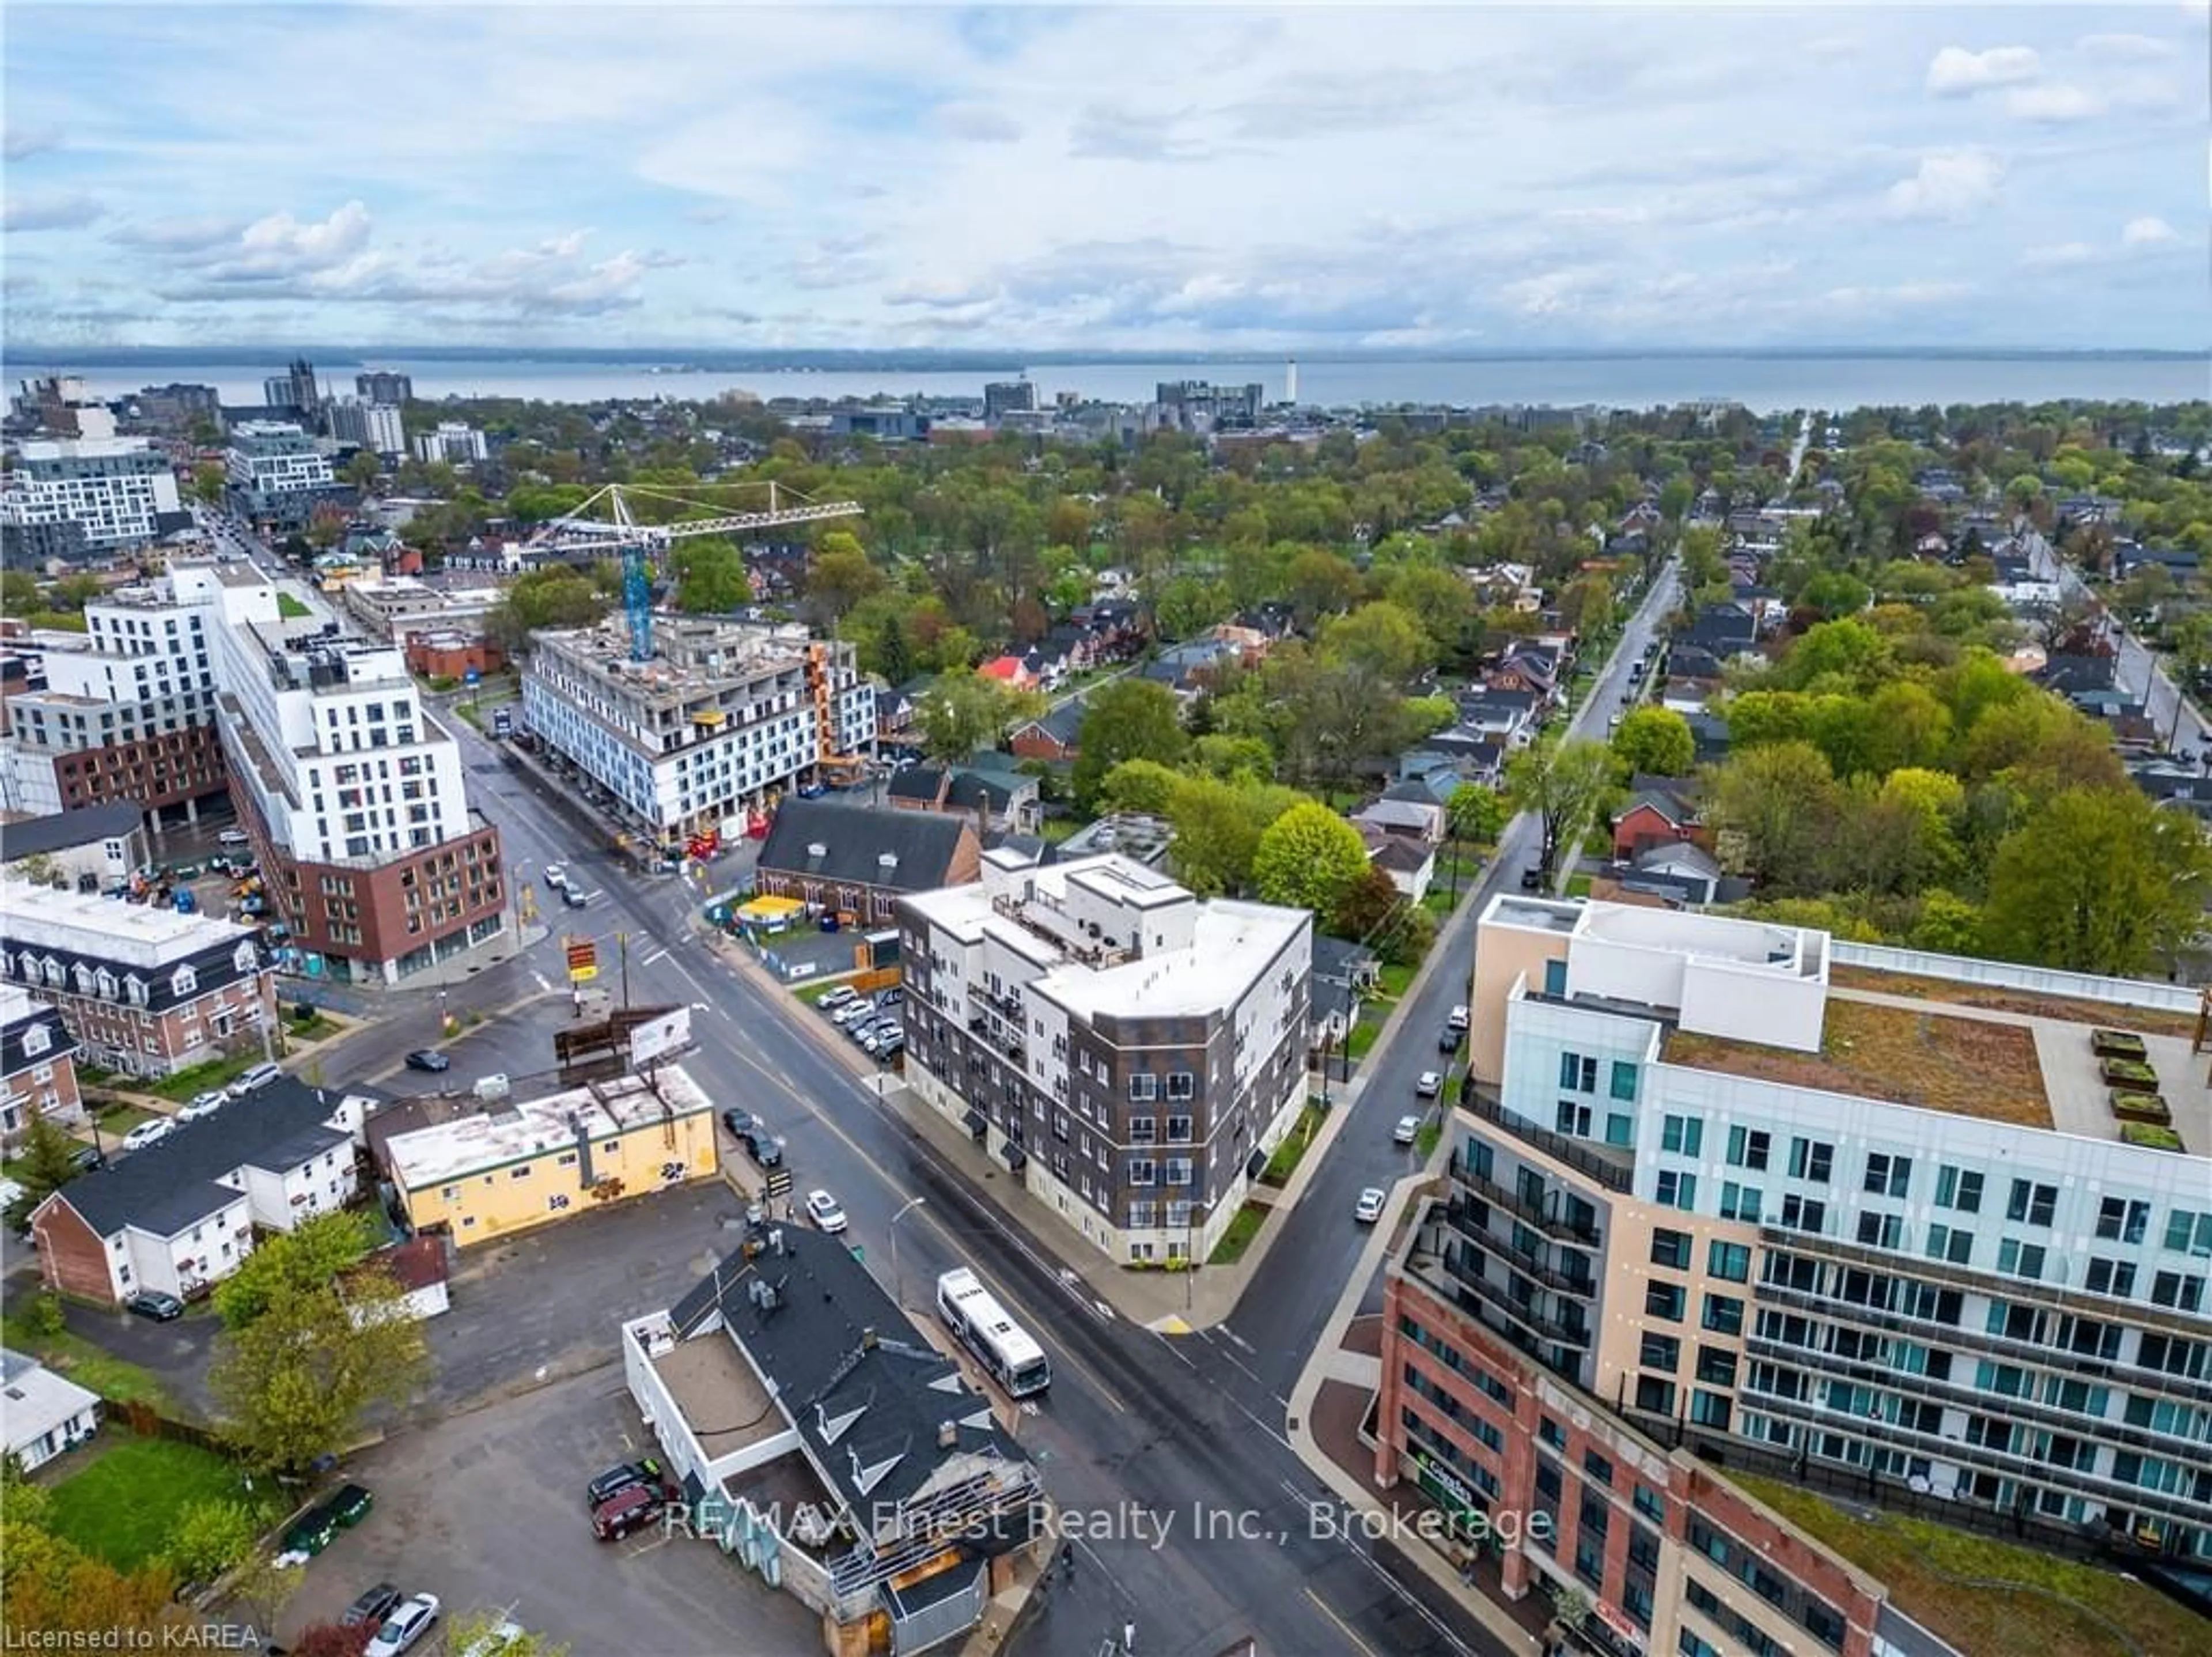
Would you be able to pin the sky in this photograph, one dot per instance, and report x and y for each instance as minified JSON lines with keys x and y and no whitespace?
{"x":1123,"y":177}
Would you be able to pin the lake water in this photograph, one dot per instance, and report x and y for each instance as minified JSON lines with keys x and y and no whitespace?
{"x":1761,"y":383}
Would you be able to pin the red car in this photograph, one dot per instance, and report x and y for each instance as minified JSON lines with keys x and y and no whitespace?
{"x":630,"y":1508}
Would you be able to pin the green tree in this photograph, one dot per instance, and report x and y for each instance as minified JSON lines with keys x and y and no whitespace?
{"x":1478,"y":815}
{"x":314,"y":1253}
{"x":964,"y":711}
{"x":710,"y":576}
{"x":209,"y":1537}
{"x":1129,"y":718}
{"x":1217,"y":833}
{"x":1849,"y":653}
{"x":1563,"y":785}
{"x":362,"y":470}
{"x":1834,"y":593}
{"x":210,"y":481}
{"x":45,"y":1162}
{"x":1947,"y":924}
{"x":553,"y":598}
{"x":1385,"y":641}
{"x":1235,"y":759}
{"x":1775,"y":812}
{"x":1656,"y":741}
{"x":1911,"y":728}
{"x":1309,"y":858}
{"x":894,"y":655}
{"x":1368,"y":906}
{"x":295,"y":1379}
{"x":839,"y":575}
{"x":2099,"y":880}
{"x":1143,"y":786}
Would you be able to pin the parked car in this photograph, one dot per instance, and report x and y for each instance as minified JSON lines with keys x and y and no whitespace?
{"x":410,"y":1621}
{"x":430,"y":1059}
{"x":149,"y":1133}
{"x":766,"y":1151}
{"x":152,"y":1303}
{"x":890,"y":998}
{"x":556,"y":876}
{"x":740,"y":1123}
{"x":1369,"y":1208}
{"x":833,"y":999}
{"x":574,"y":899}
{"x":1430,"y":1084}
{"x":202,"y":1105}
{"x":852,"y":1012}
{"x":371,"y":1606}
{"x":629,"y":1508}
{"x":1459,"y":1019}
{"x":88,"y":1160}
{"x":1408,"y":1131}
{"x":258,"y":1077}
{"x":1449,"y":1040}
{"x":823,"y":1209}
{"x":645,"y":1472}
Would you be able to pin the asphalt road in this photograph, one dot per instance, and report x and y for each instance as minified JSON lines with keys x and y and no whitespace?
{"x":2139,"y":670}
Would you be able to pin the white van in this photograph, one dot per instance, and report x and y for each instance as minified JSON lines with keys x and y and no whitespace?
{"x":260,"y":1076}
{"x":233,"y":838}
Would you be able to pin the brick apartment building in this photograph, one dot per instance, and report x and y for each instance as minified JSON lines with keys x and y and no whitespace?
{"x":145,"y":991}
{"x":38,"y":1065}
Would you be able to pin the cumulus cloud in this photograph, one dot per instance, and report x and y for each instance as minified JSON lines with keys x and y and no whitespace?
{"x":21,"y":142}
{"x":2054,"y":103}
{"x":1955,"y":72}
{"x":1951,"y":184}
{"x":975,"y":124}
{"x":280,"y":245}
{"x":61,"y":211}
{"x":2148,"y":232}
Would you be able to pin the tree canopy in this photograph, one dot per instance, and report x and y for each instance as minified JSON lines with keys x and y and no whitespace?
{"x":1309,"y":858}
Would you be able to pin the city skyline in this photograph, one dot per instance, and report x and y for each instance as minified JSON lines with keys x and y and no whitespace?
{"x":1277,"y":182}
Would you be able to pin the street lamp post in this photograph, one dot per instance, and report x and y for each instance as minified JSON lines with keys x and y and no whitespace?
{"x":898,"y":1282}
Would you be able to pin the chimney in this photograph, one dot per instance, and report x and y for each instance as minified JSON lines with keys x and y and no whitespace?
{"x":948,"y":1435}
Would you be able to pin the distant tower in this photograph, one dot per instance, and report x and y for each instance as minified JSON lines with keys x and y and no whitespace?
{"x":1291,"y":382}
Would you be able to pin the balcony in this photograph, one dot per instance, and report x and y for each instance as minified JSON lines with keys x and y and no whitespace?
{"x":1541,"y":1216}
{"x":1550,"y":1329}
{"x":1614,"y":1170}
{"x":1461,"y":1219}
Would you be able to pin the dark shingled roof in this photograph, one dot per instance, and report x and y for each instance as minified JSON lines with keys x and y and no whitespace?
{"x":173,"y":1183}
{"x":65,"y":829}
{"x":833,"y":1342}
{"x":855,"y":839}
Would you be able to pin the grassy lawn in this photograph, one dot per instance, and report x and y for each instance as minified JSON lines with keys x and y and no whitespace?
{"x":88,"y":1365}
{"x":313,"y":1029}
{"x":1394,"y":981}
{"x":124,"y":1506}
{"x":2000,"y":999}
{"x":1424,"y":1142}
{"x":121,"y":1119}
{"x":1578,"y":885}
{"x":1962,"y":1065}
{"x":1928,"y":1567}
{"x":1361,"y":1041}
{"x":290,"y":608}
{"x":1243,"y":1226}
{"x":215,"y":1073}
{"x":1054,"y":830}
{"x":1292,"y":1150}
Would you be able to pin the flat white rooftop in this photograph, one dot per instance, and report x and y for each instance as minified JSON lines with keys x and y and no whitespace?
{"x":132,"y":935}
{"x":514,"y":1131}
{"x":1231,"y":944}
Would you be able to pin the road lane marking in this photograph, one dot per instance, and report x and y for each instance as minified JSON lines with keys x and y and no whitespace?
{"x":1343,"y":1627}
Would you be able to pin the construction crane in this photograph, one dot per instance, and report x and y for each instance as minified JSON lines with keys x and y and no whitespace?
{"x":619,"y":532}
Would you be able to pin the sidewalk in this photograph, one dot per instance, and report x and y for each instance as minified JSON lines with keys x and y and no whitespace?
{"x":1328,"y":1411}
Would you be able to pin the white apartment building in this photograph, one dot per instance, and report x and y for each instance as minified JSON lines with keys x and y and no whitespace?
{"x":452,"y":441}
{"x":355,"y":797}
{"x":115,"y":490}
{"x":371,"y":425}
{"x":725,"y":713}
{"x":126,"y":711}
{"x":1868,"y":1226}
{"x":1129,"y":1051}
{"x":274,"y":457}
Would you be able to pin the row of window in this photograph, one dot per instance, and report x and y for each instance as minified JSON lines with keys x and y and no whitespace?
{"x":131,"y":987}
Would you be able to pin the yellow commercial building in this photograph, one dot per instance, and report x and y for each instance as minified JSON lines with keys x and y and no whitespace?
{"x":520,"y":1164}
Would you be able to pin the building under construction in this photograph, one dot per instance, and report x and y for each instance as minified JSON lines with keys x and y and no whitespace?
{"x":723,"y":719}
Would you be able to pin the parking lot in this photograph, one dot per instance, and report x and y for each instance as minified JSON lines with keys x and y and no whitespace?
{"x":485,"y":1510}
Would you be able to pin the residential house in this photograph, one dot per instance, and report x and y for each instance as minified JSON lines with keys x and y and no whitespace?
{"x":1410,"y":862}
{"x":45,"y":1413}
{"x":1053,"y":736}
{"x":1046,"y":665}
{"x":1272,"y":619}
{"x":1506,"y":716}
{"x":1190,"y":667}
{"x":821,"y":1442}
{"x":994,"y":800}
{"x":2076,"y":672}
{"x":488,"y":1174}
{"x":1527,"y":668}
{"x":1139,"y":839}
{"x":1709,"y":734}
{"x":1343,"y":973}
{"x":1682,"y":876}
{"x":1467,"y":754}
{"x":179,"y":1216}
{"x":38,"y":1066}
{"x":1010,"y":670}
{"x":2185,"y":789}
{"x":105,"y":843}
{"x":1406,"y":809}
{"x":1662,"y":811}
{"x":860,"y":861}
{"x":1116,"y":625}
{"x":418,"y":1266}
{"x":1724,"y":629}
{"x":1075,"y":645}
{"x":898,"y":712}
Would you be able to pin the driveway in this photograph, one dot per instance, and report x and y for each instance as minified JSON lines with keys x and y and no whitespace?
{"x":486,"y":1510}
{"x":177,"y":1352}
